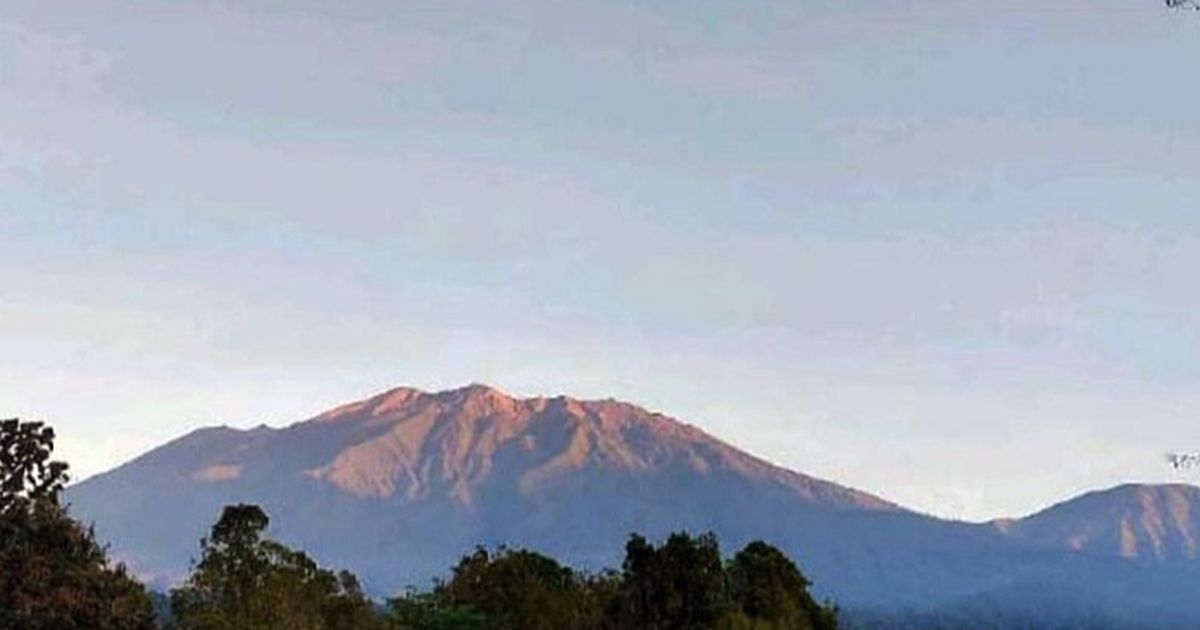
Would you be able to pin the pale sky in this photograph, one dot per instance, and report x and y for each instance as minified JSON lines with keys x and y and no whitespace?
{"x":942,"y":251}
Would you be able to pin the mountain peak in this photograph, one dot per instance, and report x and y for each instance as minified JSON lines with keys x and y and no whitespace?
{"x":376,"y":405}
{"x":479,"y":389}
{"x":480,"y":397}
{"x":397,"y":399}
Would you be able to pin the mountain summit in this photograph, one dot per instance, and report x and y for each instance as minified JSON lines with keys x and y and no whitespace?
{"x":411,"y":446}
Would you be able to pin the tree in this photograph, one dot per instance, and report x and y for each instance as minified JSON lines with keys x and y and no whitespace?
{"x":425,"y":611}
{"x":603,"y":601}
{"x":27,"y":474}
{"x":512,"y":589}
{"x":770,"y":590}
{"x":53,"y":573}
{"x":247,"y":582}
{"x":515,"y":590}
{"x":677,"y":586}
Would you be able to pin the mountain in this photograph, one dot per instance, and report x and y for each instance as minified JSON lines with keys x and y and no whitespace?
{"x":398,"y":486}
{"x":1139,"y":522}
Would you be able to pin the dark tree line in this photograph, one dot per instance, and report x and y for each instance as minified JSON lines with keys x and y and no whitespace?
{"x":55,"y":576}
{"x":680,"y":584}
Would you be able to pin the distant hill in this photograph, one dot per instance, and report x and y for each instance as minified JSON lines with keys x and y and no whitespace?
{"x":397,"y":486}
{"x":1158,"y":523}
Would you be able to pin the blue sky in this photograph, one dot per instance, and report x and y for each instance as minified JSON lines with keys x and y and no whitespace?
{"x":942,"y":251}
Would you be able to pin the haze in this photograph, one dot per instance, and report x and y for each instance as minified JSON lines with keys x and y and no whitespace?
{"x":942,"y":251}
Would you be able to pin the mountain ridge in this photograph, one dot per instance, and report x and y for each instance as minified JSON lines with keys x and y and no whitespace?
{"x":399,"y":423}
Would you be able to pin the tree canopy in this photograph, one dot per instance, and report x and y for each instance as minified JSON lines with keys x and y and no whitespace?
{"x":769,"y":590}
{"x":245,"y":581}
{"x":681,"y":584}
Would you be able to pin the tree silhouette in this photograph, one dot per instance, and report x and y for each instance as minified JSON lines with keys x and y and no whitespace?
{"x":679,"y":585}
{"x":27,"y":474}
{"x":53,"y":573}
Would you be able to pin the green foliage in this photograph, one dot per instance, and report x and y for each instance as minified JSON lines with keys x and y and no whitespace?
{"x":604,"y":601}
{"x":682,"y":584}
{"x":771,"y":592}
{"x":515,"y":590}
{"x":679,"y":585}
{"x":53,"y":573}
{"x":246,"y":582}
{"x":426,"y":611}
